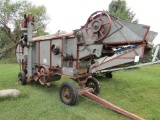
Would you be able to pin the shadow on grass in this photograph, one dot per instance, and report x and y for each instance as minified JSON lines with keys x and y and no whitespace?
{"x":54,"y":87}
{"x":102,"y":78}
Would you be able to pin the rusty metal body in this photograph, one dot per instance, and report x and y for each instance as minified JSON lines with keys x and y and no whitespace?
{"x":103,"y":43}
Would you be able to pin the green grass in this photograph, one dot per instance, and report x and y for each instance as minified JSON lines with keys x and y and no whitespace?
{"x":136,"y":90}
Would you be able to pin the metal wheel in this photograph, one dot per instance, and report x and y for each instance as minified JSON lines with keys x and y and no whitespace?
{"x":22,"y":78}
{"x":45,"y":75}
{"x":68,"y":93}
{"x":93,"y":83}
{"x":98,"y":23}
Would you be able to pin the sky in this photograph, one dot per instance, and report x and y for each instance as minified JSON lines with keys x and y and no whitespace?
{"x":68,"y":15}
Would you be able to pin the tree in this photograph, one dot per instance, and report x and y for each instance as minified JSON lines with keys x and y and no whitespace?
{"x":11,"y":15}
{"x":119,"y":9}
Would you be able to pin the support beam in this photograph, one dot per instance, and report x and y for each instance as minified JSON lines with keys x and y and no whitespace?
{"x":30,"y":52}
{"x":87,"y":93}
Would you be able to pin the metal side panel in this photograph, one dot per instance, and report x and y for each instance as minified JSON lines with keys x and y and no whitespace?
{"x":138,"y":29}
{"x":129,"y":33}
{"x":85,"y":51}
{"x":69,"y":71}
{"x":70,"y":48}
{"x":56,"y":59}
{"x":35,"y":53}
{"x":45,"y":52}
{"x":151,"y":36}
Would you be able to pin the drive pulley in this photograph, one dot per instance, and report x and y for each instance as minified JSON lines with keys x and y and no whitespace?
{"x":98,"y":25}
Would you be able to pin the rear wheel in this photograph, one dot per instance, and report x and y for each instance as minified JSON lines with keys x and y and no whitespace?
{"x":22,"y":78}
{"x":68,"y":93}
{"x":93,"y":83}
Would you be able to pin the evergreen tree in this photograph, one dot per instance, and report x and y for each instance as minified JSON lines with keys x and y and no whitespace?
{"x":119,"y":9}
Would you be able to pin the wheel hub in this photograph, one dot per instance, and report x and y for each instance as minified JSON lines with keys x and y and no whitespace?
{"x":96,"y":25}
{"x":66,"y":94}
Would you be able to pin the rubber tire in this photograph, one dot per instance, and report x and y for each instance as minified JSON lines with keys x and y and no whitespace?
{"x":73,"y":92}
{"x":108,"y":75}
{"x":96,"y":84}
{"x":22,"y":81}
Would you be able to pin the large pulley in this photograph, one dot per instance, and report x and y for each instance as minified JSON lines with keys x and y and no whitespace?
{"x":98,"y":25}
{"x":44,"y":75}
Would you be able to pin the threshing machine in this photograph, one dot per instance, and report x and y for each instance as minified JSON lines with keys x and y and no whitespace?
{"x":104,"y":42}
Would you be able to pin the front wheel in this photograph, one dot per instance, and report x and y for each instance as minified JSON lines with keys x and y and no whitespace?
{"x":68,"y":93}
{"x":93,"y":83}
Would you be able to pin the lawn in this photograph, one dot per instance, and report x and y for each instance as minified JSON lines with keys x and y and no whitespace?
{"x":136,"y":90}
